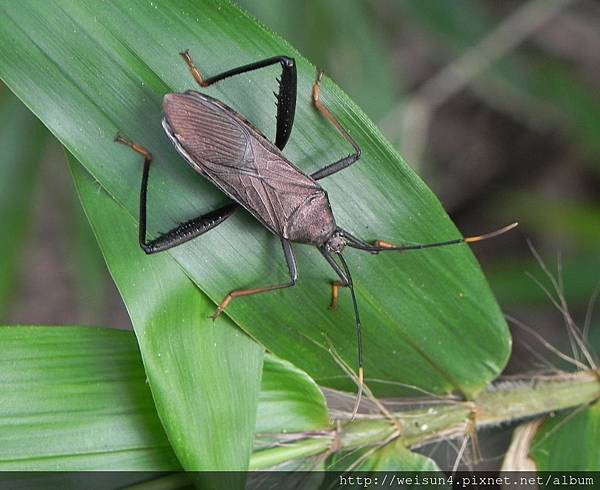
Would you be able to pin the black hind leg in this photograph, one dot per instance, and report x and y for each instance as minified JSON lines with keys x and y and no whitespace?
{"x":286,"y":98}
{"x":185,"y":231}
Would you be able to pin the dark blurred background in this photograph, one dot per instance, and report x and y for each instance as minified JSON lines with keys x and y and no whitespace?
{"x":495,"y":104}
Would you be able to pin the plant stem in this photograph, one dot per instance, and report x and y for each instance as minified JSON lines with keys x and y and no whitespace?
{"x":501,"y":403}
{"x":267,"y":458}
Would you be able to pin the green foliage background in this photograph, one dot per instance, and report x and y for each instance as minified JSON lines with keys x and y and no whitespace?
{"x":430,"y":320}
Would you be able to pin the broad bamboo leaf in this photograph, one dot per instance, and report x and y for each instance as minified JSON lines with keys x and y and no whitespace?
{"x":391,"y":457}
{"x":395,"y":457}
{"x":76,"y":398}
{"x":205,"y":378}
{"x":289,"y":400}
{"x":88,"y":70}
{"x":569,"y":442}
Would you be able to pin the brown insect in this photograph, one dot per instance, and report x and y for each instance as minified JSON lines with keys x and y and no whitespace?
{"x":224,"y":147}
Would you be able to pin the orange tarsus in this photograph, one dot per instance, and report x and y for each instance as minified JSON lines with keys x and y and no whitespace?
{"x":335,"y":294}
{"x":195,"y":72}
{"x":222,"y":306}
{"x":384,"y":244}
{"x":134,"y":146}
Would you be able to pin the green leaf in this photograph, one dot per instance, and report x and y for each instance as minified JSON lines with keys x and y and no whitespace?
{"x":569,"y":442}
{"x":205,"y":378}
{"x":289,"y":400}
{"x":395,"y":457}
{"x":88,"y":70}
{"x":75,"y":399}
{"x":22,"y":139}
{"x":391,"y":457}
{"x":79,"y":400}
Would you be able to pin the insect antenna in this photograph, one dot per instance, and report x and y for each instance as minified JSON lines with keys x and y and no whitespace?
{"x":358,"y":335}
{"x":382,"y":246}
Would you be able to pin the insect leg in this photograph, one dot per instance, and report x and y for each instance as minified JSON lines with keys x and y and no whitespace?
{"x":322,"y":108}
{"x":185,"y":231}
{"x":286,"y":98}
{"x":291,"y":263}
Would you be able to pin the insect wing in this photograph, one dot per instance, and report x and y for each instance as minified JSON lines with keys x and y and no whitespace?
{"x":218,"y":143}
{"x":210,"y":139}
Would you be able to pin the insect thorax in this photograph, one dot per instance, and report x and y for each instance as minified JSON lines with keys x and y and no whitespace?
{"x":312,"y":222}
